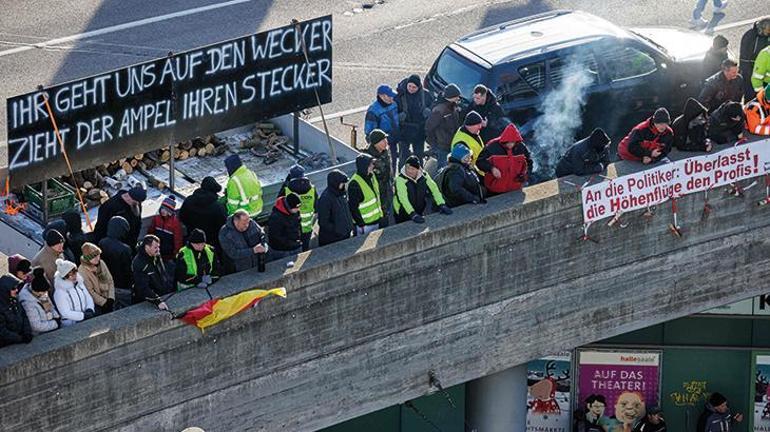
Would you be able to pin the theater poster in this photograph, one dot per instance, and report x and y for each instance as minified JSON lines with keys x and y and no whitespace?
{"x":548,"y":396}
{"x":761,"y":393}
{"x":615,"y":388}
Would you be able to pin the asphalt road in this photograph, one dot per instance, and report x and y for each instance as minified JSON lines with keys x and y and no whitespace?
{"x":40,"y":42}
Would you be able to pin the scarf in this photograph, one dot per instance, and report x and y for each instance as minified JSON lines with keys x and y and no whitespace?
{"x":44,"y":300}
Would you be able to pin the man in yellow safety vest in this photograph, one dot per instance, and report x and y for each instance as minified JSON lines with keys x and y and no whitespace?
{"x":364,"y":196}
{"x":244,"y":191}
{"x":299,"y":185}
{"x":196,"y":263}
{"x":470,"y":135}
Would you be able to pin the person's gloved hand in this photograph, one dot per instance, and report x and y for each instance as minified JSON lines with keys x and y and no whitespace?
{"x":416,"y":218}
{"x":444,"y":209}
{"x":88,"y":314}
{"x":206,"y":279}
{"x":27,"y":338}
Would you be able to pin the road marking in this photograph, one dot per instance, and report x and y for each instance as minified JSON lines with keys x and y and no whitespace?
{"x":740,"y":23}
{"x":120,"y":27}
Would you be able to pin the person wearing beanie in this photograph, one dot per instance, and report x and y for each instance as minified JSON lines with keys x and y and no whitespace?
{"x":127,"y":204}
{"x":727,"y":123}
{"x":296,"y":183}
{"x":196,"y":263}
{"x":722,"y":86}
{"x":49,"y":253}
{"x":414,"y":106}
{"x":70,"y":227}
{"x":588,"y":156}
{"x":203,"y":210}
{"x":70,"y":294}
{"x":334,"y":220}
{"x":458,"y":182}
{"x":758,"y":113}
{"x":20,"y":267}
{"x":97,"y":278}
{"x":469,"y":135}
{"x":414,"y":188}
{"x":442,"y":124}
{"x":14,"y":325}
{"x":383,"y":114}
{"x":167,"y":226}
{"x":650,"y":141}
{"x":378,"y":149}
{"x":151,"y":279}
{"x":244,"y":190}
{"x":716,"y":416}
{"x":714,"y":56}
{"x":36,"y":301}
{"x":364,"y":198}
{"x":691,"y":128}
{"x":485,"y":103}
{"x":284,"y":231}
{"x":506,"y":162}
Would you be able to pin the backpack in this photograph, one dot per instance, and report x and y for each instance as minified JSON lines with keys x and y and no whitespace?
{"x":441,"y":176}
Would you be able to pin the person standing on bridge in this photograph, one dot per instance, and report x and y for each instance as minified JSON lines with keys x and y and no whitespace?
{"x":151,"y":280}
{"x":414,"y":188}
{"x":296,"y":183}
{"x":243,"y":241}
{"x":469,"y":134}
{"x":760,"y":77}
{"x":196,"y":263}
{"x":752,"y":42}
{"x":334,"y":220}
{"x":364,"y":196}
{"x":723,"y":86}
{"x":712,"y":61}
{"x":168,"y":228}
{"x":125,"y":203}
{"x":697,"y":22}
{"x":414,"y":106}
{"x":203,"y":210}
{"x":442,"y":124}
{"x":244,"y":191}
{"x":650,"y":141}
{"x":284,"y":229}
{"x":52,"y":250}
{"x":70,"y":294}
{"x":485,"y":104}
{"x":116,"y":253}
{"x":378,"y":150}
{"x":41,"y":312}
{"x":383,"y":114}
{"x":97,"y":278}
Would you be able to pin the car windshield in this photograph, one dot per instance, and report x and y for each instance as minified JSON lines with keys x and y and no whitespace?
{"x":657,"y":45}
{"x":454,"y":68}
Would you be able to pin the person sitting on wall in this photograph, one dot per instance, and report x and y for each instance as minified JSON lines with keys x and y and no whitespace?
{"x":151,"y":280}
{"x":196,"y":263}
{"x":97,"y":278}
{"x":41,"y":312}
{"x":243,"y":242}
{"x":14,"y":325}
{"x":414,"y":188}
{"x":650,"y":141}
{"x":691,"y":128}
{"x":587,"y":156}
{"x":458,"y":181}
{"x":70,"y":294}
{"x":506,"y":162}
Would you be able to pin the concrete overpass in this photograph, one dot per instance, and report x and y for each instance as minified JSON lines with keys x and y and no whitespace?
{"x":465,"y":296}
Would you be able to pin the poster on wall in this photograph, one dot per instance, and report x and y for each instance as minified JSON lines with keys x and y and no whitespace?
{"x":761,"y":393}
{"x":615,"y":388}
{"x":548,"y":396}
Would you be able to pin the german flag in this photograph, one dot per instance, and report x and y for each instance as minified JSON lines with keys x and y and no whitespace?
{"x":216,"y":310}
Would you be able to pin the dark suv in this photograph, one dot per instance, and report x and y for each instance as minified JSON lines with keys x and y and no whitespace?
{"x":632,"y":71}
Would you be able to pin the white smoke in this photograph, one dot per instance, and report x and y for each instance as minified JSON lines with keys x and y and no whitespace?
{"x":561,"y":116}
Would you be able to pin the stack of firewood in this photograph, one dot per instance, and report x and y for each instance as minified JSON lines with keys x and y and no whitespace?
{"x":265,"y":141}
{"x":196,"y":147}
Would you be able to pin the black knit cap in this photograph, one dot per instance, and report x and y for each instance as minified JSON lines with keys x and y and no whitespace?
{"x":413,"y":161}
{"x":53,"y":237}
{"x":717,"y":399}
{"x":39,"y":282}
{"x":473,"y":118}
{"x":661,"y":116}
{"x":197,"y":236}
{"x":292,"y":201}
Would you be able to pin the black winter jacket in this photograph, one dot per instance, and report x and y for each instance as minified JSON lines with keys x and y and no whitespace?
{"x":582,"y":159}
{"x":151,"y":280}
{"x":115,"y":206}
{"x":722,"y":128}
{"x":751,"y":44}
{"x":460,"y":184}
{"x":283,"y":228}
{"x":718,"y":90}
{"x":203,"y":210}
{"x":116,"y":253}
{"x":334,"y":220}
{"x":14,"y":325}
{"x":442,"y":124}
{"x":691,"y":128}
{"x":493,"y":112}
{"x":413,"y":111}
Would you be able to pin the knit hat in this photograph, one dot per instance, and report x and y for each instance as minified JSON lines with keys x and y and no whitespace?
{"x":720,"y":41}
{"x":386,"y":90}
{"x":232,"y":163}
{"x":210,"y":184}
{"x":413,"y":161}
{"x":53,"y":237}
{"x":63,"y":267}
{"x":169,"y":203}
{"x":473,"y":118}
{"x":598,"y":139}
{"x":137,"y":194}
{"x":90,"y":251}
{"x":717,"y":399}
{"x":414,"y":79}
{"x":451,"y":91}
{"x":39,"y":282}
{"x":296,"y":171}
{"x":18,"y":263}
{"x":460,"y":152}
{"x":376,"y":135}
{"x":197,"y":236}
{"x":661,"y":116}
{"x":733,"y":109}
{"x":292,"y":201}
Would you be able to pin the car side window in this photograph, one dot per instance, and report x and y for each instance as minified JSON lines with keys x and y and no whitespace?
{"x":562,"y":66}
{"x":526,"y":84}
{"x":624,"y":62}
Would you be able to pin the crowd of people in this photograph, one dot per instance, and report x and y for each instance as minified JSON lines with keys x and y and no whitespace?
{"x":478,"y":153}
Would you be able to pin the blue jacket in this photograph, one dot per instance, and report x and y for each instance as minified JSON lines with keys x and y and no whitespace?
{"x":385,"y":117}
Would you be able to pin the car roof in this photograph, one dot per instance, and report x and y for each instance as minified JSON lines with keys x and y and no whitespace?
{"x":512,"y":39}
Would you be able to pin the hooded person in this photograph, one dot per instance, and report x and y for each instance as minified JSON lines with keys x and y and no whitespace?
{"x":298,"y":184}
{"x":116,"y":254}
{"x":334,"y":220}
{"x":36,"y":301}
{"x":20,"y":267}
{"x":414,"y":107}
{"x":203,"y":210}
{"x":14,"y":325}
{"x":650,"y":141}
{"x":70,"y":294}
{"x":378,"y":149}
{"x":414,"y":189}
{"x":364,"y":198}
{"x":443,"y":123}
{"x":727,"y":123}
{"x":196,"y":263}
{"x":469,"y":136}
{"x":587,"y":156}
{"x":97,"y":278}
{"x":758,"y":113}
{"x":168,"y":228}
{"x":691,"y":128}
{"x":716,"y":416}
{"x":243,"y":191}
{"x":506,"y":162}
{"x":485,"y":103}
{"x":458,"y":181}
{"x":49,"y":253}
{"x":127,"y":204}
{"x":383,"y":114}
{"x":284,"y":230}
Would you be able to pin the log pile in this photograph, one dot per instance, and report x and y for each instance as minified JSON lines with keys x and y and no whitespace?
{"x":265,"y":141}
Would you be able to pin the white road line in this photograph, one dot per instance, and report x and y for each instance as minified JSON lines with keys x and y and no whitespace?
{"x":340,"y":114}
{"x":740,"y":23}
{"x":120,"y":27}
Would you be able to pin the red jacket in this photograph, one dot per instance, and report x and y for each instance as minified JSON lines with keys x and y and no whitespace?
{"x":514,"y":164}
{"x":169,"y":231}
{"x":643,"y":139}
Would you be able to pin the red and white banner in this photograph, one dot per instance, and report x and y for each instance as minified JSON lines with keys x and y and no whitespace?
{"x":659,"y":184}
